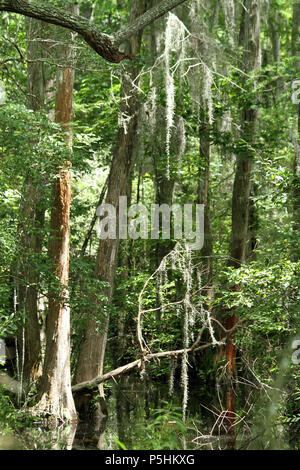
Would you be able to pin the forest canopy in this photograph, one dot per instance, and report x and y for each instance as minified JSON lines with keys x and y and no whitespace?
{"x":183,"y":114}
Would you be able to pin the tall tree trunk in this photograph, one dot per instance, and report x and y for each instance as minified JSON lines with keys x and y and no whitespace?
{"x":55,"y":395}
{"x":164,"y":188}
{"x":29,"y":332}
{"x":244,"y":160}
{"x":124,"y":322}
{"x":296,"y":163}
{"x":202,"y":48}
{"x":274,"y":27}
{"x":91,"y":357}
{"x":164,"y":179}
{"x":204,"y":198}
{"x":32,"y":220}
{"x":204,"y":166}
{"x":242,"y":182}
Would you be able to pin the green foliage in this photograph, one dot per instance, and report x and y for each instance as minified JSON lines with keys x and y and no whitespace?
{"x":32,"y":149}
{"x":12,"y":422}
{"x":261,"y":301}
{"x":165,"y":431}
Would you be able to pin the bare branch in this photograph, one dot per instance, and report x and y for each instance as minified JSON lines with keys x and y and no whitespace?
{"x":131,"y":365}
{"x":92,"y":224}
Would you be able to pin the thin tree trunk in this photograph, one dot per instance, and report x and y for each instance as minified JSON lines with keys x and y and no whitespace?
{"x":164,"y":183}
{"x":241,"y":195}
{"x":91,"y":357}
{"x":296,"y":163}
{"x":123,"y":323}
{"x":204,"y":198}
{"x":253,"y":226}
{"x":203,"y":190}
{"x":242,"y":180}
{"x":94,"y":219}
{"x":274,"y":26}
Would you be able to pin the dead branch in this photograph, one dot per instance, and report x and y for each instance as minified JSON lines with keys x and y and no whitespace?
{"x":131,"y":365}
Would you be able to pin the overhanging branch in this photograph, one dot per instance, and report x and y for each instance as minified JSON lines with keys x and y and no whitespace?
{"x":106,"y":46}
{"x":147,"y":18}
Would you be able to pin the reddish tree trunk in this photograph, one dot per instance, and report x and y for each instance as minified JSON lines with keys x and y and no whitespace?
{"x":250,"y":32}
{"x":56,"y":396}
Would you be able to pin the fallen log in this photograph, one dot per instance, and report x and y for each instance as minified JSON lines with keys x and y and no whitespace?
{"x":132,"y":365}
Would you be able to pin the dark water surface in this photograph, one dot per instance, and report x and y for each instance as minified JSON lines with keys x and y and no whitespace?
{"x":142,"y":416}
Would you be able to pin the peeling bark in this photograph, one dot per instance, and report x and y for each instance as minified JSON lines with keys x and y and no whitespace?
{"x":55,"y":395}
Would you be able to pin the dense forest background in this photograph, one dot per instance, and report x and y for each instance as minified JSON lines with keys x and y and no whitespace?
{"x":200,"y":106}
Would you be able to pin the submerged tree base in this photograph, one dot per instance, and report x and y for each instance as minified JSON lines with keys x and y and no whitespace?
{"x":53,"y":413}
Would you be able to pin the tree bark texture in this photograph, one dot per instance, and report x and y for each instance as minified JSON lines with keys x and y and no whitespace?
{"x":32,"y":215}
{"x":244,"y":161}
{"x":56,"y":396}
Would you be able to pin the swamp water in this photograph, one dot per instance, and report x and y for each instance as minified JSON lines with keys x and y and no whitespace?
{"x":142,"y":416}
